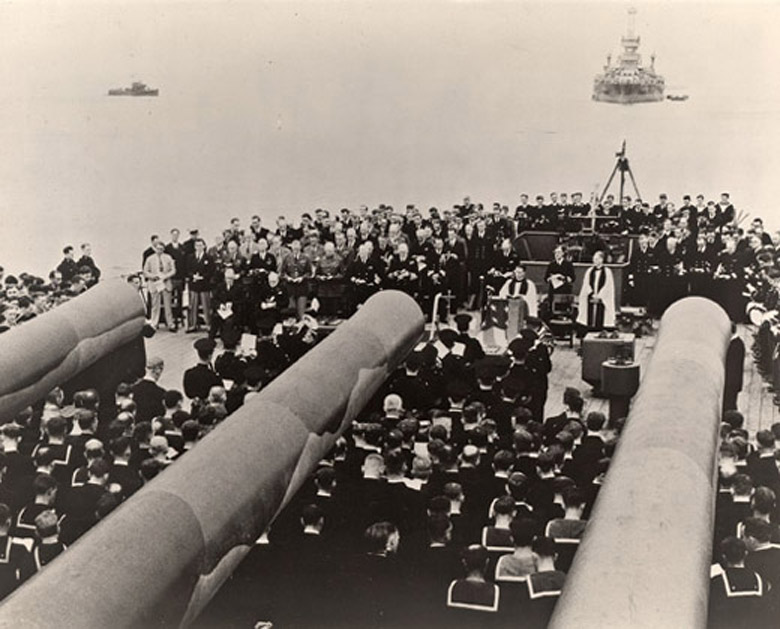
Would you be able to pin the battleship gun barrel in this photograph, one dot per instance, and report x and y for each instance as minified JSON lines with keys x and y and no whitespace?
{"x":645,"y":557}
{"x":60,"y":344}
{"x":159,"y":558}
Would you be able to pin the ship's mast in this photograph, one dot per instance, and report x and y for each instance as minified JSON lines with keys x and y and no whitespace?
{"x":631,"y":22}
{"x":630,"y":57}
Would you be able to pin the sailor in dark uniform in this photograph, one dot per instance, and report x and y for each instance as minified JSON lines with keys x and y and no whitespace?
{"x":572,"y":400}
{"x":568,"y":530}
{"x":473,"y":601}
{"x":81,"y":505}
{"x":544,"y":586}
{"x":578,"y":213}
{"x":122,"y":473}
{"x":764,"y":558}
{"x":497,"y":538}
{"x":45,"y":490}
{"x":199,"y":379}
{"x":538,"y":215}
{"x":738,"y":595}
{"x":64,"y":460}
{"x":474,"y":350}
{"x":48,"y":545}
{"x":726,"y":209}
{"x":15,"y":560}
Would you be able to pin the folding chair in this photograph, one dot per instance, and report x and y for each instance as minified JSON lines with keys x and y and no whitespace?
{"x":562,"y":317}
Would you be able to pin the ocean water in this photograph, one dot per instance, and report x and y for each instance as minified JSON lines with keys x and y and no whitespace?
{"x":277,"y":108}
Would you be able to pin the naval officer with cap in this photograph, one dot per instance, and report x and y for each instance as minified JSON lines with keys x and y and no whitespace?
{"x":199,"y":379}
{"x":474,"y":350}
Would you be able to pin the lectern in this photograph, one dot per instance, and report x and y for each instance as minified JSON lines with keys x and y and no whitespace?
{"x":619,"y":382}
{"x":507,"y":314}
{"x":517,"y":313}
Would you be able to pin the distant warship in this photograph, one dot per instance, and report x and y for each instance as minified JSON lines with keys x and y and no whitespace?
{"x":628,"y":82}
{"x":136,"y":89}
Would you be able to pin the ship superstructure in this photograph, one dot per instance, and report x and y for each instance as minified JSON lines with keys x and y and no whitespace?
{"x":136,"y":89}
{"x":629,"y":81}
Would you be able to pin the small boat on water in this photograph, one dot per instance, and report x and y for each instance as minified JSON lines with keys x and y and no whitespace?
{"x":677,"y":97}
{"x":136,"y":89}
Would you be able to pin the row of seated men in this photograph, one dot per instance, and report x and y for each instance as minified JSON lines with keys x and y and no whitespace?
{"x":64,"y":467}
{"x":467,"y":511}
{"x":62,"y":471}
{"x":745,"y":582}
{"x":78,"y":461}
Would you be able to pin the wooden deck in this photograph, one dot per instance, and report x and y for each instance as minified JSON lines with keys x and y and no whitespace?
{"x":755,"y":401}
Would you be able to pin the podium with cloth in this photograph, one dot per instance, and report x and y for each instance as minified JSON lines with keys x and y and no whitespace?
{"x":506,"y":314}
{"x":517,"y":313}
{"x":600,"y":346}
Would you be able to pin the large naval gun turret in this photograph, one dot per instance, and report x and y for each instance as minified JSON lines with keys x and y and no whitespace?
{"x":629,"y":81}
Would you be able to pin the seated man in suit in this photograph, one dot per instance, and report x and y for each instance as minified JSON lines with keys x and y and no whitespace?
{"x":228,"y":303}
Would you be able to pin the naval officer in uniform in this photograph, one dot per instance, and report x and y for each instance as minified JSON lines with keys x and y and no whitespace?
{"x":199,"y":379}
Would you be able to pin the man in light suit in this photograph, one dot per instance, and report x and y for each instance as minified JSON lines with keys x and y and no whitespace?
{"x":159,"y":268}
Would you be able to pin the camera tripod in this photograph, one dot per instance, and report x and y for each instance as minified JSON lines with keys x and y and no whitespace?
{"x":623,"y":167}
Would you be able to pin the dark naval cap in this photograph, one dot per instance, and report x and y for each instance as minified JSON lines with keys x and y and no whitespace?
{"x":463,"y":321}
{"x":204,"y":345}
{"x":230,"y":338}
{"x":491,"y":367}
{"x":528,"y":335}
{"x":519,"y":346}
{"x":448,"y":337}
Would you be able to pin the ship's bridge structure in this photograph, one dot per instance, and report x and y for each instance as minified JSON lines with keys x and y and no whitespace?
{"x":630,"y":42}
